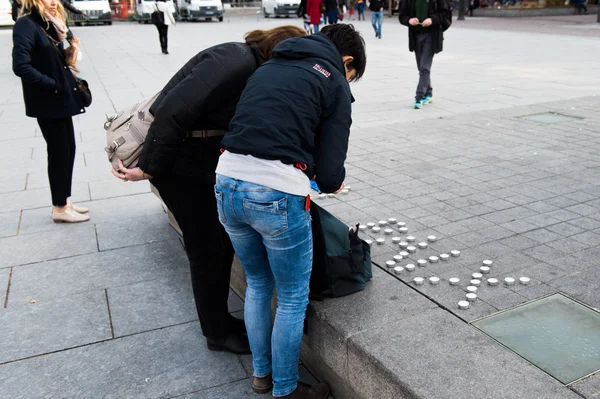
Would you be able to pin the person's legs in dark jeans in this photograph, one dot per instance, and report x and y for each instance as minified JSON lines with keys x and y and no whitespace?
{"x":209,"y":251}
{"x":424,"y":56}
{"x":60,"y":144}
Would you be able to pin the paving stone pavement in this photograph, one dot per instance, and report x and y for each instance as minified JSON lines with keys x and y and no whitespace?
{"x":105,"y":308}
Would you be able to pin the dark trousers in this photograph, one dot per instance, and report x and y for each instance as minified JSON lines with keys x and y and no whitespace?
{"x":207,"y":245}
{"x":60,"y":144}
{"x":424,"y":55}
{"x":163,"y":32}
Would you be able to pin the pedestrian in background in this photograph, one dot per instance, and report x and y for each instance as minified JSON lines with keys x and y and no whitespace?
{"x":180,"y":156}
{"x":50,"y":95}
{"x":473,"y":4}
{"x":303,"y":13}
{"x":292,"y":123}
{"x":376,"y":7}
{"x":163,"y":29}
{"x":360,"y":7}
{"x":313,"y":8}
{"x":333,"y":11}
{"x":425,"y":38}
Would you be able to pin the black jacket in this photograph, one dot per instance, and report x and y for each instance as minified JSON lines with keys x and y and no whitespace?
{"x":437,"y":10}
{"x":296,"y":108}
{"x":202,"y":95}
{"x":376,"y":5}
{"x":332,"y":5}
{"x":49,"y":87}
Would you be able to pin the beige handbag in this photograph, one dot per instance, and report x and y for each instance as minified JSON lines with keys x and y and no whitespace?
{"x":126,"y":132}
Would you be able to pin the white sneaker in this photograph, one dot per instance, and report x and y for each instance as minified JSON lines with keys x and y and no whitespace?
{"x":69,"y":216}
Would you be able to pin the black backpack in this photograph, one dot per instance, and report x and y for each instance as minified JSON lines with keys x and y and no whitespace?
{"x":341,"y":260}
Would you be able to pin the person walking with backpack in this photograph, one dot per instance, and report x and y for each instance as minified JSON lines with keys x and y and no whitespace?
{"x":292,"y":124}
{"x":426,"y":21}
{"x":51,"y":95}
{"x":180,"y":155}
{"x":376,"y":7}
{"x":164,"y":18}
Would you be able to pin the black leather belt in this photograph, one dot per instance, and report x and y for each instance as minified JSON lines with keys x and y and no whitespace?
{"x":203,"y":134}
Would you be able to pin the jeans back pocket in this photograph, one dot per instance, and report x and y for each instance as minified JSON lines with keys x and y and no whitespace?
{"x":220,"y":209}
{"x":267,"y":217}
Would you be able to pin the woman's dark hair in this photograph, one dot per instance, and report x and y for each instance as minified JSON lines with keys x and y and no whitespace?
{"x":264,"y":41}
{"x":349,"y":43}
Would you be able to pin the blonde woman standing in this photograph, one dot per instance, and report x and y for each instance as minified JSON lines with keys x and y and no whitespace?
{"x":50,"y":95}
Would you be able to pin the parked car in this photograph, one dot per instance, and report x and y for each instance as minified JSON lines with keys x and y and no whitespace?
{"x":97,"y":11}
{"x":280,"y":8}
{"x":192,"y":10}
{"x":6,"y":13}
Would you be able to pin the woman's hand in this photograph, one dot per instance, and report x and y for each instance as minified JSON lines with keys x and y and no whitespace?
{"x":134,"y":174}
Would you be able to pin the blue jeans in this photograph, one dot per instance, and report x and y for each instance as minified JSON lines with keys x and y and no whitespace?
{"x":271,"y":234}
{"x":377,"y":21}
{"x":315,"y":28}
{"x":361,"y":11}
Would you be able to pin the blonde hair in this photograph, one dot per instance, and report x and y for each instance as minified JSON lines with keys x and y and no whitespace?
{"x":266,"y":40}
{"x":27,"y":6}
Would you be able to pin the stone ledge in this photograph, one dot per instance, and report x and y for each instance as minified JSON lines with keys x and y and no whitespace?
{"x":389,"y":341}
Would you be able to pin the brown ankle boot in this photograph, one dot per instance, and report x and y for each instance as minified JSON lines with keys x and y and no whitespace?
{"x":262,"y":385}
{"x":304,"y":391}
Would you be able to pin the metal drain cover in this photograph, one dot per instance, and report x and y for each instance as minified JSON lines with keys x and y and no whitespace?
{"x":549,"y":117}
{"x":556,"y":334}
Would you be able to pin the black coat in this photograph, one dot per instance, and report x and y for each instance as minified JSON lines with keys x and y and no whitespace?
{"x":437,"y":10}
{"x":49,"y":87}
{"x":296,"y":109}
{"x":202,"y":95}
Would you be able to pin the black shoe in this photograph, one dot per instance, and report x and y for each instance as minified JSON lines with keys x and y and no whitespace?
{"x":236,"y":326}
{"x":234,"y":343}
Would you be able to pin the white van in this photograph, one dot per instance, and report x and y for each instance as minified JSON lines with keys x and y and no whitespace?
{"x":6,"y":13}
{"x":145,"y":8}
{"x":192,"y":10}
{"x":280,"y":8}
{"x":98,"y":12}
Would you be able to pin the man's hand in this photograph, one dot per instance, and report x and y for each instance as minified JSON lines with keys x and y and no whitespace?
{"x":427,"y":23}
{"x":413,"y":21}
{"x":134,"y":174}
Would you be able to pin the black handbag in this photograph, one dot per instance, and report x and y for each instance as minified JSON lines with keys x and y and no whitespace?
{"x":82,"y":85}
{"x":158,"y":17}
{"x":84,"y":90}
{"x":341,"y":260}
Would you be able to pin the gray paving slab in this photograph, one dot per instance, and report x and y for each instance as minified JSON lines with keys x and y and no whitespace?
{"x":588,"y":387}
{"x":152,"y":304}
{"x":134,"y":231}
{"x":113,"y":209}
{"x":71,"y":241}
{"x":116,"y":188}
{"x":389,"y":345}
{"x":43,"y":326}
{"x":9,"y":223}
{"x":13,"y":183}
{"x":108,"y":269}
{"x":164,"y":363}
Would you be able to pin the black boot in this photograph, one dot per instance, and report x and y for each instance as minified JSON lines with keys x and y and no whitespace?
{"x":236,"y":326}
{"x":234,"y":343}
